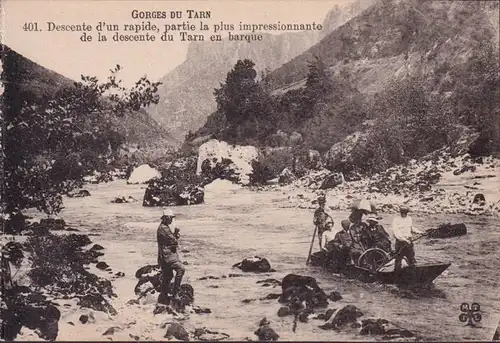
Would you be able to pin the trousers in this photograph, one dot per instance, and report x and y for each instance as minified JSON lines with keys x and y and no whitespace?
{"x":405,"y":250}
{"x":167,"y":270}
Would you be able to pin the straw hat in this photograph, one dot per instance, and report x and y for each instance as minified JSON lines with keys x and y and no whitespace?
{"x":168,"y":213}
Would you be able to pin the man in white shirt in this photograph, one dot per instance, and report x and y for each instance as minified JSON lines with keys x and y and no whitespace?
{"x":403,"y":230}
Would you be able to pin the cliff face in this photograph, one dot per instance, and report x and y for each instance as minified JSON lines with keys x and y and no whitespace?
{"x":187,"y":92}
{"x":398,"y":37}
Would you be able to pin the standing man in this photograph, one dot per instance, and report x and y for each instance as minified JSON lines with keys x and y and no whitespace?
{"x":321,"y":219}
{"x":403,"y":230}
{"x":168,"y":258}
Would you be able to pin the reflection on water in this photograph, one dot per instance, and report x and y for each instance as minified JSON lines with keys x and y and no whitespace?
{"x":233,"y":226}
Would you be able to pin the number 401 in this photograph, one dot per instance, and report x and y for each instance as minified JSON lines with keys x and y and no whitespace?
{"x":30,"y":27}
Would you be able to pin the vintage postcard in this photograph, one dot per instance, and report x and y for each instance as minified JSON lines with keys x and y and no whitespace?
{"x":226,"y":170}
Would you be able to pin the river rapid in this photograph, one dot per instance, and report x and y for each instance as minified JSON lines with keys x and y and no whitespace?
{"x":233,"y":225}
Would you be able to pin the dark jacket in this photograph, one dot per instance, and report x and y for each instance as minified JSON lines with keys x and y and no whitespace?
{"x":344,"y":239}
{"x":167,"y":245}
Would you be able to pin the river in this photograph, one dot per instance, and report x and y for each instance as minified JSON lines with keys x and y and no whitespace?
{"x":235,"y":225}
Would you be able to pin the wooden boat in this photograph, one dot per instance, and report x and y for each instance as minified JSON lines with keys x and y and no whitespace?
{"x":372,"y":266}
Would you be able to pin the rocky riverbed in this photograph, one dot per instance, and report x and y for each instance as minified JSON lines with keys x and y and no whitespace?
{"x":440,"y":184}
{"x":238,"y":223}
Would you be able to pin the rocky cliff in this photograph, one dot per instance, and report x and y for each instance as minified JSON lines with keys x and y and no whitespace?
{"x":187,"y":92}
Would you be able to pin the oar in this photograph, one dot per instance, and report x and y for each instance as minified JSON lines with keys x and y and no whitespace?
{"x":311,"y":247}
{"x":400,"y":250}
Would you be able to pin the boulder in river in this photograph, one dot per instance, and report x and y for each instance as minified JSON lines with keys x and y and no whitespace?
{"x":161,"y":192}
{"x":143,"y":174}
{"x":265,"y":332}
{"x":177,"y":331}
{"x":79,"y":194}
{"x":447,"y":231}
{"x":254,"y":264}
{"x":150,"y":279}
{"x":241,"y":158}
{"x":298,"y":288}
{"x":348,"y":314}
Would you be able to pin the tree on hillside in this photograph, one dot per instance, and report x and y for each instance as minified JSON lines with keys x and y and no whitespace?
{"x":246,"y":107}
{"x":50,"y":145}
{"x":318,"y":84}
{"x":476,"y":99}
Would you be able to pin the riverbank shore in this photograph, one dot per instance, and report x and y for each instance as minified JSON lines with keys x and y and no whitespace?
{"x":459,"y":185}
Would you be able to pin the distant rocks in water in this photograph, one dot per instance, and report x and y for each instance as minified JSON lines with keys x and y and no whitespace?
{"x":241,"y":158}
{"x":46,"y":225}
{"x":447,"y":231}
{"x":143,"y":174}
{"x":102,"y":265}
{"x":97,"y":247}
{"x":123,"y":200}
{"x":162,"y":192}
{"x":265,"y":332}
{"x":79,"y":194}
{"x":464,"y":169}
{"x":254,"y":264}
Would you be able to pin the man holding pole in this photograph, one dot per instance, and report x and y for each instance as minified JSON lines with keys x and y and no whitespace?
{"x":403,"y":230}
{"x":322,"y":219}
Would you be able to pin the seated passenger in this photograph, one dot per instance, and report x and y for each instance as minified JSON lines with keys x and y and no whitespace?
{"x":343,"y":249}
{"x":375,"y":236}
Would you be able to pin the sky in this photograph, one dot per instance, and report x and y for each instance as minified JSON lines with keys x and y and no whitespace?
{"x":66,"y":54}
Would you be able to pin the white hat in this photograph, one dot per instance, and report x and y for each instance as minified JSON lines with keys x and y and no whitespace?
{"x":168,"y":213}
{"x":372,"y":218}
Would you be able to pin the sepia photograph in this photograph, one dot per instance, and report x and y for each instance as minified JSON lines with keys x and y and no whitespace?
{"x":250,"y":170}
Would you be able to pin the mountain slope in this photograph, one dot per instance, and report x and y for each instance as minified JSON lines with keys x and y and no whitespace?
{"x":40,"y":83}
{"x":396,"y":37}
{"x":186,"y":96}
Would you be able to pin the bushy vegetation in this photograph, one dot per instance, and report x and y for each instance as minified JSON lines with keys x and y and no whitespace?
{"x":51,"y":144}
{"x":412,"y":116}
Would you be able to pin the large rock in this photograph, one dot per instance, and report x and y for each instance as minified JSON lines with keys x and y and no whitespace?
{"x":28,"y":309}
{"x":254,"y":264}
{"x":340,"y":156}
{"x":298,"y":288}
{"x":448,"y":231}
{"x":241,"y":156}
{"x":161,"y":192}
{"x":265,"y":332}
{"x":143,"y":174}
{"x":346,"y":315}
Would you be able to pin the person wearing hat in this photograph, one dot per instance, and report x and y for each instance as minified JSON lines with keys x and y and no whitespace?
{"x":344,"y":248}
{"x":168,"y":258}
{"x":322,"y":219}
{"x":374,"y":235}
{"x":403,"y":230}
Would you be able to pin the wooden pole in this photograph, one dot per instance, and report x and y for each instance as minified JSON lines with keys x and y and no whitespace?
{"x":311,"y":247}
{"x":401,"y":250}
